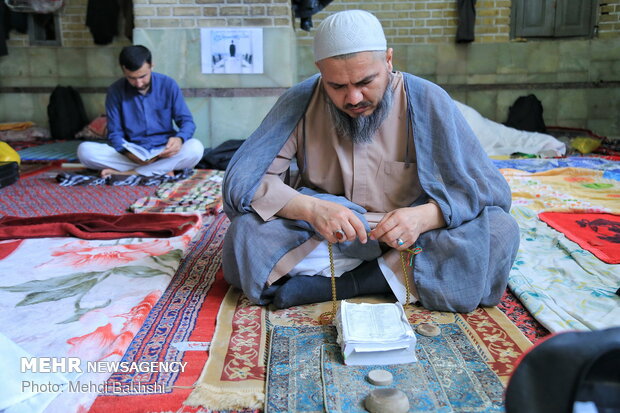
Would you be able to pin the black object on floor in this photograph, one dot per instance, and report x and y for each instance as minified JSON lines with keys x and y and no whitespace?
{"x":9,"y":173}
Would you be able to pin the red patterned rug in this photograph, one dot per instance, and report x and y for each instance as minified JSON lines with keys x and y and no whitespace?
{"x":40,"y":195}
{"x":514,"y":310}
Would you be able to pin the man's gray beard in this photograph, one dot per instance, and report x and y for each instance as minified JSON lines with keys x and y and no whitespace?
{"x":363,"y":128}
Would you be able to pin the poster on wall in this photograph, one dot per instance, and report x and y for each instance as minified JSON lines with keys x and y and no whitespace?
{"x":227,"y":50}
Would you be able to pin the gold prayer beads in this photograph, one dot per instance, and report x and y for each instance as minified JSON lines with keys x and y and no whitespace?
{"x":328,"y":316}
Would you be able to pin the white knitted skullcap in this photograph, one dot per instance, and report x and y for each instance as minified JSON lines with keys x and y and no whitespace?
{"x":346,"y":32}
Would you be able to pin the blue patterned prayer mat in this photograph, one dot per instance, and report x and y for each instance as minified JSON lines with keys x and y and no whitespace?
{"x":62,"y":151}
{"x":306,"y":373}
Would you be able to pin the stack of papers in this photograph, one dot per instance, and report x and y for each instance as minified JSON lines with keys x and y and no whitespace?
{"x":375,"y":334}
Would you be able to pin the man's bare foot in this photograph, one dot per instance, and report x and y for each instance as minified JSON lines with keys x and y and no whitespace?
{"x":109,"y":172}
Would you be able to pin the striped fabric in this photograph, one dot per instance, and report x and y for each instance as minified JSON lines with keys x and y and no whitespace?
{"x":62,"y":151}
{"x":75,"y":178}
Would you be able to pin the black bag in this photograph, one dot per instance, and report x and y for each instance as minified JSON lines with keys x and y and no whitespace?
{"x":565,"y":369}
{"x":218,"y":157}
{"x":9,"y":173}
{"x":66,"y":113}
{"x":526,"y":114}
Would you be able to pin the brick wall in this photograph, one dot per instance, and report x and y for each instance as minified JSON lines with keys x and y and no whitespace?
{"x":609,"y":19}
{"x":211,"y":13}
{"x":427,"y":21}
{"x":435,"y":21}
{"x":73,"y":29}
{"x":404,"y":21}
{"x":171,"y":14}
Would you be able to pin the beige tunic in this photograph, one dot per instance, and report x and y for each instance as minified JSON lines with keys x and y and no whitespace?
{"x":380,"y":176}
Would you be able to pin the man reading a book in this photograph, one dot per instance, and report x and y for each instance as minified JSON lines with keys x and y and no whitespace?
{"x":142,"y":110}
{"x":352,"y":172}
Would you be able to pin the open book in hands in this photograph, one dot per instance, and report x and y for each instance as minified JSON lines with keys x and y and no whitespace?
{"x":375,"y":334}
{"x":142,"y":153}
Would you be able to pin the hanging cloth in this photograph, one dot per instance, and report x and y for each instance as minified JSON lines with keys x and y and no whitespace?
{"x":466,"y":11}
{"x":305,"y":9}
{"x":102,"y":20}
{"x":10,"y":20}
{"x":4,"y":29}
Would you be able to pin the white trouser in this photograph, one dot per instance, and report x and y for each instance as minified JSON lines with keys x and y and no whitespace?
{"x":317,"y":262}
{"x":99,"y":156}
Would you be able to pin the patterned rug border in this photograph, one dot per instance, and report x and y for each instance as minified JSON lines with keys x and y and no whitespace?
{"x":176,"y":311}
{"x":502,"y":343}
{"x":214,"y":392}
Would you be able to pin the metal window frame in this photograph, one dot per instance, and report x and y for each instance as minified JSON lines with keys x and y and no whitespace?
{"x":34,"y":31}
{"x":518,"y":5}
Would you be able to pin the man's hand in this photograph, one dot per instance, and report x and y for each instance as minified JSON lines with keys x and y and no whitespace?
{"x":326,"y":217}
{"x":172,"y":147}
{"x":401,"y":228}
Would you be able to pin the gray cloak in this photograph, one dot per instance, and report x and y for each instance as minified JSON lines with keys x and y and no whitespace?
{"x":463,"y":265}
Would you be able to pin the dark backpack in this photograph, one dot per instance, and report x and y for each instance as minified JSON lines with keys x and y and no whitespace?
{"x":220,"y":156}
{"x":526,"y":114}
{"x":65,"y":113}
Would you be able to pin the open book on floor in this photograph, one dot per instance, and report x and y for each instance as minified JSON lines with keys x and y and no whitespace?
{"x":142,"y":153}
{"x":375,"y":334}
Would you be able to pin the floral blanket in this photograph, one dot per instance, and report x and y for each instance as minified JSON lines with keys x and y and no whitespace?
{"x":564,"y":286}
{"x":82,"y":302}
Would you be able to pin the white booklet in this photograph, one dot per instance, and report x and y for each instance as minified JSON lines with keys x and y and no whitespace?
{"x":142,"y":153}
{"x":372,"y":334}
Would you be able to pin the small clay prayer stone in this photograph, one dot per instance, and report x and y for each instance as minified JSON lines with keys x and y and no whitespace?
{"x":427,"y":329}
{"x":380,"y":377}
{"x":387,"y":401}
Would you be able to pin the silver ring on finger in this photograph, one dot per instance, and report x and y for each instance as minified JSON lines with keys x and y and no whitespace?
{"x":340,"y":235}
{"x":400,"y":242}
